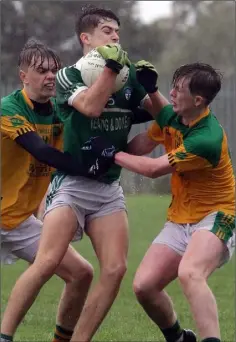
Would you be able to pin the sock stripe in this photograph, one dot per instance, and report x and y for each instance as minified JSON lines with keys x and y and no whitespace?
{"x":62,"y":334}
{"x":63,"y":330}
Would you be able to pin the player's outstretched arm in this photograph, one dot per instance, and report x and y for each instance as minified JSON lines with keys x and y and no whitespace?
{"x":92,"y":101}
{"x":147,"y":76}
{"x":148,"y":167}
{"x":49,"y":155}
{"x":141,"y":144}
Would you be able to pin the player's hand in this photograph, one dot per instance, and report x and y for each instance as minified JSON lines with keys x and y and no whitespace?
{"x":102,"y":153}
{"x":147,"y":76}
{"x":115,"y":57}
{"x":100,"y":147}
{"x":98,"y":168}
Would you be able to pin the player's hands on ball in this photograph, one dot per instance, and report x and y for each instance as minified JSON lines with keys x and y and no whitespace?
{"x":147,"y":76}
{"x":115,"y":57}
{"x":103,"y":153}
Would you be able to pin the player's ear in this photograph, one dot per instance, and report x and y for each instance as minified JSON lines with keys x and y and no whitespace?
{"x":23,"y":76}
{"x":85,"y":38}
{"x":198,"y":101}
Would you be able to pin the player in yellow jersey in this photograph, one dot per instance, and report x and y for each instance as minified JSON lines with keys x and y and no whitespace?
{"x":199,"y":234}
{"x":30,"y":135}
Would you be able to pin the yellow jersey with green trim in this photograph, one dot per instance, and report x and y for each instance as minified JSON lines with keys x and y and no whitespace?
{"x":24,"y":179}
{"x":203,"y":181}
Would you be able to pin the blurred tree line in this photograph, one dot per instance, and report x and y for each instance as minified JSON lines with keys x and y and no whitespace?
{"x":195,"y":31}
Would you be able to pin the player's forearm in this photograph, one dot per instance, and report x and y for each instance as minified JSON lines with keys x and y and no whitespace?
{"x":141,"y":144}
{"x":145,"y":166}
{"x":95,"y":98}
{"x":49,"y":155}
{"x":156,"y":103}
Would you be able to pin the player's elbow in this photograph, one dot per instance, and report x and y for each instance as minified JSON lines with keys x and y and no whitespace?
{"x":154,"y":171}
{"x":84,"y":105}
{"x":150,"y":173}
{"x":93,"y":112}
{"x":89,"y":110}
{"x":153,"y":174}
{"x":158,"y":171}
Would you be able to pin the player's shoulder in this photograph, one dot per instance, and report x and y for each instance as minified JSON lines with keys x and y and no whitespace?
{"x":12,"y":104}
{"x":11,"y":99}
{"x":165,"y":117}
{"x":208,"y":131}
{"x":205,"y":139}
{"x":69,"y":75}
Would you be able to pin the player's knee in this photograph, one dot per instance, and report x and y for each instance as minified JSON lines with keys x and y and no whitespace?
{"x":142,"y":287}
{"x":77,"y":272}
{"x":83,"y":273}
{"x":114,"y":272}
{"x":188,"y":274}
{"x":46,"y":267}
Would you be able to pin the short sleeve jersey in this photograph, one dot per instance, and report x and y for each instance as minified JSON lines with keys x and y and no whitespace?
{"x":114,"y":123}
{"x":203,"y":181}
{"x":24,"y":179}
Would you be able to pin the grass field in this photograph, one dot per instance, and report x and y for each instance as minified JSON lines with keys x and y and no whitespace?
{"x":126,"y":321}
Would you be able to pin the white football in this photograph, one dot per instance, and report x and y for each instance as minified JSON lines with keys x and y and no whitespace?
{"x":92,"y":65}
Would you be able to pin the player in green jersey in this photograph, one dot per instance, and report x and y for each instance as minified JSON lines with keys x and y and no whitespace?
{"x":78,"y":203}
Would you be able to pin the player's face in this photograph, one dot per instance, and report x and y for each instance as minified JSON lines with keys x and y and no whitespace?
{"x":106,"y":32}
{"x":184,"y":103}
{"x":39,"y":79}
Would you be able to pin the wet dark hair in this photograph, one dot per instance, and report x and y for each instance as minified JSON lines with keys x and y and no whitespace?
{"x":34,"y":50}
{"x":204,"y":80}
{"x":91,"y":17}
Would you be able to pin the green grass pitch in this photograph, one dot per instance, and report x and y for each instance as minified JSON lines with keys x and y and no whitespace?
{"x":126,"y":321}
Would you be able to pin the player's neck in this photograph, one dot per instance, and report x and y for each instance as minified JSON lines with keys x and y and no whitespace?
{"x":35,"y":97}
{"x":187,"y":118}
{"x":87,"y":49}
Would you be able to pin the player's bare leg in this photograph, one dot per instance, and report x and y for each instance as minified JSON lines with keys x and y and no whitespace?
{"x":77,"y":274}
{"x":158,"y":268}
{"x":109,"y":236}
{"x":202,"y":257}
{"x":59,"y":227}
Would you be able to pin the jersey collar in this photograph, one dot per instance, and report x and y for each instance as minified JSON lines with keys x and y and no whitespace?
{"x":192,"y":123}
{"x":201,"y":116}
{"x":27,"y":99}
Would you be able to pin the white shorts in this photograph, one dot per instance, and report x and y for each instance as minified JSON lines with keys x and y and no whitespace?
{"x":21,"y":242}
{"x":89,"y":199}
{"x":177,"y":236}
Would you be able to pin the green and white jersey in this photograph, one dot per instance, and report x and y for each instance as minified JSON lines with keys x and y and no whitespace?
{"x":114,"y":123}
